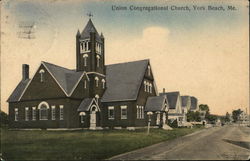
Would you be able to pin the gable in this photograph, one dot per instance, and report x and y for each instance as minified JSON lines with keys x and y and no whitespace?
{"x":178,"y":104}
{"x":86,"y":105}
{"x":65,"y":78}
{"x":79,"y":90}
{"x":124,"y":81}
{"x":36,"y":89}
{"x":156,"y":103}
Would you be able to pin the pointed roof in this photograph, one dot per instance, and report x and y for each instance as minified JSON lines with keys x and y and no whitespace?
{"x":65,"y":77}
{"x":88,"y":29}
{"x":124,"y":80}
{"x":78,"y":33}
{"x":194,"y":103}
{"x":184,"y":100}
{"x":156,"y":103}
{"x":172,"y":98}
{"x":85,"y":104}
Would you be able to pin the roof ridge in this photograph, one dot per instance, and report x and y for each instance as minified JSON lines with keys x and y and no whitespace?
{"x":172,"y":92}
{"x":59,"y":66}
{"x":90,"y":27}
{"x":128,"y":62}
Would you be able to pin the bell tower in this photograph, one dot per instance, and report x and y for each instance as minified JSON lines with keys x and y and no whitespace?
{"x":90,"y":57}
{"x":90,"y":50}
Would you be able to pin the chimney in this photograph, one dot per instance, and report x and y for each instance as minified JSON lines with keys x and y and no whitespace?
{"x":164,"y":90}
{"x":25,"y":71}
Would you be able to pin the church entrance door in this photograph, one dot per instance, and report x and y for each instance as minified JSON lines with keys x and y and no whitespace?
{"x":93,"y":117}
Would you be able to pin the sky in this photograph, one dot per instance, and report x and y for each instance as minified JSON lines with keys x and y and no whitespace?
{"x":201,"y":53}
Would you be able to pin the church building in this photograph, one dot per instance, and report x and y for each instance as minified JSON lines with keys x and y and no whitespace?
{"x":92,"y":96}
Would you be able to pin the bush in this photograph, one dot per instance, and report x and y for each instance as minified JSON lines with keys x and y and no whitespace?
{"x":173,"y":124}
{"x":4,"y":119}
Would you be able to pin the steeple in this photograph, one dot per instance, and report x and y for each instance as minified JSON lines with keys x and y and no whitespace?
{"x":78,"y":33}
{"x":89,"y":28}
{"x":90,"y":50}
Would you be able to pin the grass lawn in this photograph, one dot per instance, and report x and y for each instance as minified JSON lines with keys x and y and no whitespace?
{"x":77,"y":145}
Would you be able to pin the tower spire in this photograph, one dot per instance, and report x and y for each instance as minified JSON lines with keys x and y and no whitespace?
{"x":89,"y":15}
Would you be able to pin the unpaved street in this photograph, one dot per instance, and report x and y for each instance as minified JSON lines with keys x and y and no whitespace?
{"x":227,"y":142}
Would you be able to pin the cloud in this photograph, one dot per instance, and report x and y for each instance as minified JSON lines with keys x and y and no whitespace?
{"x":208,"y":64}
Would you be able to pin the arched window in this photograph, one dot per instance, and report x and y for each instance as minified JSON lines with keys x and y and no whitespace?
{"x":149,"y":72}
{"x":85,"y":84}
{"x":16,"y":114}
{"x":43,"y":107}
{"x":41,"y":72}
{"x":137,"y":112}
{"x":97,"y":60}
{"x":142,"y":109}
{"x":61,"y":112}
{"x":82,"y":114}
{"x":96,"y":81}
{"x":84,"y":46}
{"x":85,"y":61}
{"x":145,"y":86}
{"x":103,"y":83}
{"x":150,"y":87}
{"x":97,"y":97}
{"x":98,"y":48}
{"x":26,"y":113}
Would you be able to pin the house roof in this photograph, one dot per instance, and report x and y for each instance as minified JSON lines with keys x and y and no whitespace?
{"x":155,"y":103}
{"x":124,"y":80}
{"x":172,"y":98}
{"x":18,"y":91}
{"x":184,"y":100}
{"x":194,"y":103}
{"x":65,"y":77}
{"x":84,"y":106}
{"x":85,"y":34}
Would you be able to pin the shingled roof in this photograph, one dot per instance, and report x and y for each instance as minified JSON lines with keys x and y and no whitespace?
{"x":172,"y":98}
{"x":85,"y":104}
{"x":124,"y":80}
{"x":85,"y":34}
{"x":194,"y":103}
{"x":14,"y":97}
{"x":156,"y":103}
{"x":65,"y":77}
{"x":184,"y":100}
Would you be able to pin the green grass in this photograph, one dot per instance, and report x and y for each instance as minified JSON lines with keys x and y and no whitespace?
{"x":77,"y":145}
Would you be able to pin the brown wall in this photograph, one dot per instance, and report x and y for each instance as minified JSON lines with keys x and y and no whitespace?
{"x":71,"y":118}
{"x":43,"y":90}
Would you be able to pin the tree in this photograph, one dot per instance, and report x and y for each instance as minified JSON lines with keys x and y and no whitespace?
{"x":227,"y":117}
{"x":4,"y":118}
{"x":204,"y":107}
{"x":236,"y":114}
{"x":211,"y":118}
{"x":193,"y":116}
{"x":173,"y":124}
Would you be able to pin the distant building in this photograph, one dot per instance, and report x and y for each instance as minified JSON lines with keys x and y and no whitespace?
{"x":243,"y":118}
{"x":186,"y":105}
{"x":175,"y":109}
{"x":194,"y":104}
{"x":158,"y":105}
